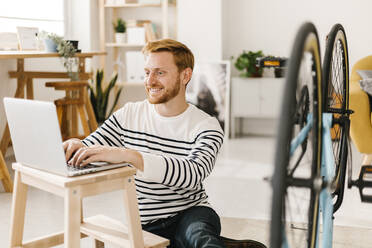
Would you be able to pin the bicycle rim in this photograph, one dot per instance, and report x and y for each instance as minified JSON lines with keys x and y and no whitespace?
{"x":295,"y":205}
{"x":336,"y":101}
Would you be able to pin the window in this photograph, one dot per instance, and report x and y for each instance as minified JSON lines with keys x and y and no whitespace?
{"x":47,"y":15}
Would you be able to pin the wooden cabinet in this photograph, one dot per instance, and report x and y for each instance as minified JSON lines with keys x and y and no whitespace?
{"x":255,"y":98}
{"x":109,"y":12}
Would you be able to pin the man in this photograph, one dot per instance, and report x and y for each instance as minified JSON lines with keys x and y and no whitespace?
{"x":172,"y":144}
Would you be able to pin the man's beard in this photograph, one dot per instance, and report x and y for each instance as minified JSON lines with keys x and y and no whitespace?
{"x":168,"y":95}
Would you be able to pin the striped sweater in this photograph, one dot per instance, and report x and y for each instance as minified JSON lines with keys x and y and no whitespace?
{"x":178,"y":152}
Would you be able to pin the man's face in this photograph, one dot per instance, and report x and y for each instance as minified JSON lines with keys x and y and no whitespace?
{"x":162,"y":79}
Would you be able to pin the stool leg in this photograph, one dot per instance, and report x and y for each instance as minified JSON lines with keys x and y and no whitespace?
{"x":91,"y":116}
{"x":59,"y":114}
{"x":64,"y":123}
{"x":72,"y":217}
{"x":132,"y":214}
{"x":83,"y":120}
{"x":98,"y":244}
{"x":18,"y":211}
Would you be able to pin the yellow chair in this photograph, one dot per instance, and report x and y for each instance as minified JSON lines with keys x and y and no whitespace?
{"x":360,"y":120}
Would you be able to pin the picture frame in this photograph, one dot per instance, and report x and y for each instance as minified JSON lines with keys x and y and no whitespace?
{"x":209,"y":90}
{"x":27,"y":37}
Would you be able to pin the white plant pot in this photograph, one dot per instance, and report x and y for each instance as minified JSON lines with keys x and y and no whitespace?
{"x":120,"y":37}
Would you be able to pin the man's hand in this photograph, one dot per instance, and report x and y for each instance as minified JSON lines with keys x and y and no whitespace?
{"x":97,"y":153}
{"x":71,"y":146}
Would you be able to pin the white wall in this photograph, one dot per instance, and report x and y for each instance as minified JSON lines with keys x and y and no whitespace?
{"x":219,"y":29}
{"x":79,"y":29}
{"x":271,"y":25}
{"x":200,"y":27}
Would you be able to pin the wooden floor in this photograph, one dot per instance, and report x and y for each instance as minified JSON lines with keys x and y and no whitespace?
{"x":344,"y":237}
{"x":244,"y":207}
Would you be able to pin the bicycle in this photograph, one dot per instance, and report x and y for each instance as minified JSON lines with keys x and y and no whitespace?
{"x":312,"y":146}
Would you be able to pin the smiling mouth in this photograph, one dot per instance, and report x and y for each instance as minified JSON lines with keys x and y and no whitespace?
{"x":155,"y":90}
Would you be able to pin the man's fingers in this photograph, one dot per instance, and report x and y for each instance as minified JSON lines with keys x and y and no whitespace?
{"x":93,"y":158}
{"x":65,"y":145}
{"x":84,"y":154}
{"x":71,"y":149}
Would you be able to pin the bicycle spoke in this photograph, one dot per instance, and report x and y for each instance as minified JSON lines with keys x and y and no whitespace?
{"x":295,"y":203}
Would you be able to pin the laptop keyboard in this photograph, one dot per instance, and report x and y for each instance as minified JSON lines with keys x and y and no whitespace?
{"x":89,"y":166}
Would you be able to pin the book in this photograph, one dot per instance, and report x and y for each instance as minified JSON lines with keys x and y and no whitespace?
{"x":150,"y":34}
{"x":135,"y":62}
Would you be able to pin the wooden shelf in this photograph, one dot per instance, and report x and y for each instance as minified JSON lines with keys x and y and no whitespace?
{"x":129,"y":84}
{"x":137,"y":5}
{"x":126,"y":45}
{"x":132,"y":5}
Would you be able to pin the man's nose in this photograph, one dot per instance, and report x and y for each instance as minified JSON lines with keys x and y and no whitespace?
{"x":151,"y":78}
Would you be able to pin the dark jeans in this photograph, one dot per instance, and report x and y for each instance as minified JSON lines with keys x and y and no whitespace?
{"x":196,"y":227}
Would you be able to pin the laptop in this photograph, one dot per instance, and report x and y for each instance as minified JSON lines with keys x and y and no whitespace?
{"x":37,"y":140}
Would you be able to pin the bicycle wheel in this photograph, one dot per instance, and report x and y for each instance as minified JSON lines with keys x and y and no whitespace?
{"x":295,"y":201}
{"x":336,"y":101}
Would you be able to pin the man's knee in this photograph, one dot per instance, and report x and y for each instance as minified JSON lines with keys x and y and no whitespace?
{"x":199,"y":228}
{"x":200,"y":235}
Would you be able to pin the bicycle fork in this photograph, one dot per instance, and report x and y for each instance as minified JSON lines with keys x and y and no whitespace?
{"x":328,"y":174}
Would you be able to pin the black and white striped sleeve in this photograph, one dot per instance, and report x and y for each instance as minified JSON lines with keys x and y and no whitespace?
{"x":185,"y":172}
{"x":107,"y":134}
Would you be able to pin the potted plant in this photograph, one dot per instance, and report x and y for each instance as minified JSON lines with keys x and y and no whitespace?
{"x":99,"y":96}
{"x":120,"y":28}
{"x":55,"y":43}
{"x":246,"y":62}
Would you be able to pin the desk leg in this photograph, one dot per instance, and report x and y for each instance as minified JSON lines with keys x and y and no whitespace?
{"x":72,"y":218}
{"x":30,"y":88}
{"x":18,"y":211}
{"x":4,"y":175}
{"x":20,"y":92}
{"x":132,"y":214}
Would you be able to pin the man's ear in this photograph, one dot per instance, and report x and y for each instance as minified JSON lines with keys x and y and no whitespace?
{"x":186,"y":75}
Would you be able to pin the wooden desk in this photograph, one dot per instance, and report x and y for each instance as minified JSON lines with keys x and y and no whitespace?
{"x":73,"y":189}
{"x":25,"y":81}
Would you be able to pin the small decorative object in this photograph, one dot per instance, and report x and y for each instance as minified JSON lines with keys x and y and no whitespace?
{"x":27,"y":37}
{"x":99,"y":96}
{"x":278,"y":63}
{"x":136,"y":35}
{"x":246,"y":62}
{"x":55,"y":43}
{"x":120,"y":28}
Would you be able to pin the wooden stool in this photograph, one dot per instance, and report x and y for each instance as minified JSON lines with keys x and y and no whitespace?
{"x":76,"y":100}
{"x":4,"y":175}
{"x":73,"y":189}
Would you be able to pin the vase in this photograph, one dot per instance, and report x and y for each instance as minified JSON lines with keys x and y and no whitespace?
{"x":120,"y":37}
{"x":50,"y":46}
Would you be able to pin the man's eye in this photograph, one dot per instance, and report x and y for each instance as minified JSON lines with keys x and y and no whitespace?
{"x":160,"y":73}
{"x":147,"y":73}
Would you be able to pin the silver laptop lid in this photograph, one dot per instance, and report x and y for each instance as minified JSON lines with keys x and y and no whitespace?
{"x":35,"y":134}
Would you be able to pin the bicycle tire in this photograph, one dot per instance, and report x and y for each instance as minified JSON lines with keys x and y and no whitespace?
{"x":306,"y":44}
{"x":336,"y":101}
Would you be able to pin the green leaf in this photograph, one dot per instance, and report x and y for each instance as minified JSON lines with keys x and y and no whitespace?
{"x":115,"y":101}
{"x":100,"y":96}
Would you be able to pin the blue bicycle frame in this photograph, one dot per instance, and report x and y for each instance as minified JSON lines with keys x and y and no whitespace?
{"x":327,"y":175}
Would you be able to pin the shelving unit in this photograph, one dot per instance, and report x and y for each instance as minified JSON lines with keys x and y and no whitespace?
{"x":107,"y":41}
{"x":260,"y":97}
